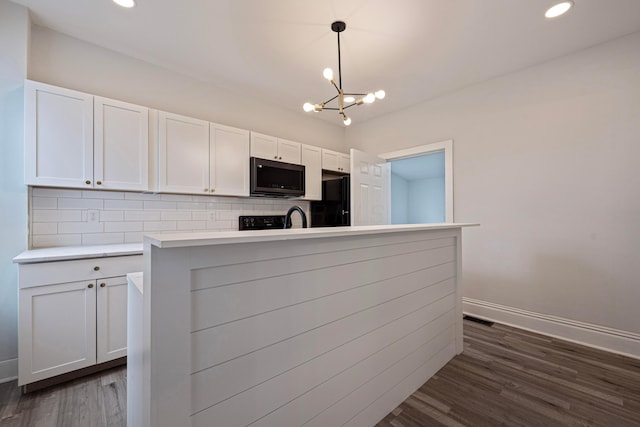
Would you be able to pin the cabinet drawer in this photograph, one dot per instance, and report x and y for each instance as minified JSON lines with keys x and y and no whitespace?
{"x":49,"y":273}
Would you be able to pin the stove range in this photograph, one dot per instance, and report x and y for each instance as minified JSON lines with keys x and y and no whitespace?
{"x":260,"y":222}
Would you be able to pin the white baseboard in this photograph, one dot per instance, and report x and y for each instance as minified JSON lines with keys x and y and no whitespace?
{"x":8,"y":370}
{"x":600,"y":337}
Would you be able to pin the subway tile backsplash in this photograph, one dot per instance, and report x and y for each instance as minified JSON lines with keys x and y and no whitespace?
{"x":61,"y":217}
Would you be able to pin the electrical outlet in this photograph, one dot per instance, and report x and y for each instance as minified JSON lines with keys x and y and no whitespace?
{"x":93,"y":216}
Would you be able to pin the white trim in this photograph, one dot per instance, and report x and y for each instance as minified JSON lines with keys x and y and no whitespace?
{"x":447,"y":147}
{"x":8,"y":370}
{"x":613,"y":340}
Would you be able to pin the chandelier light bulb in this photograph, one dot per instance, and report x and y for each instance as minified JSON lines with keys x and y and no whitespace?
{"x":347,"y":121}
{"x":380,"y":94}
{"x":328,"y":74}
{"x":369,"y":98}
{"x":308,"y":107}
{"x":349,"y":99}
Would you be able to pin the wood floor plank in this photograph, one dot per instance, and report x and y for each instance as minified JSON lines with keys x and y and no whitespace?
{"x":505,"y":376}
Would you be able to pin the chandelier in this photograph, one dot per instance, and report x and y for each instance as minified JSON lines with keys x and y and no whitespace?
{"x":345,"y":99}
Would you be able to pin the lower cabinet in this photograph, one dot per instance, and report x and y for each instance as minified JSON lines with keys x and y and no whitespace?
{"x":71,"y":325}
{"x":57,"y":330}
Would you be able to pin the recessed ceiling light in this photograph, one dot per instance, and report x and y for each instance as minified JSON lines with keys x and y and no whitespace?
{"x":558,"y":9}
{"x":125,"y":3}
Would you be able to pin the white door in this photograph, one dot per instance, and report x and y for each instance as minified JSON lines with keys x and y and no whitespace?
{"x":312,"y":161}
{"x":57,"y":330}
{"x":183,"y":154}
{"x":121,"y":145}
{"x":58,"y":136}
{"x":111,"y":318}
{"x":370,"y":189}
{"x":229,"y":151}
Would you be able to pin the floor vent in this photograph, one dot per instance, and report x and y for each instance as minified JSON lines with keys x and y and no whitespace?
{"x":481,"y":321}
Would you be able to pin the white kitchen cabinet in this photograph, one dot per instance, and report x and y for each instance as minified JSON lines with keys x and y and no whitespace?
{"x":111,"y":319}
{"x":73,"y":139}
{"x":312,"y":161}
{"x":57,"y":330}
{"x":335,"y":161}
{"x":183,"y":154}
{"x":229,"y":160}
{"x":73,"y":314}
{"x":58,"y":136}
{"x":272,"y":148}
{"x":121,"y":145}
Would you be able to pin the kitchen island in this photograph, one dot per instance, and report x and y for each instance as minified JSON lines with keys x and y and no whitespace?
{"x":314,"y":327}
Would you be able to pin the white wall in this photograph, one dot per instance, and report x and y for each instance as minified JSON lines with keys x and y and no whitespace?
{"x":14,"y":39}
{"x":426,"y":201}
{"x":547,"y":161}
{"x":68,"y":62}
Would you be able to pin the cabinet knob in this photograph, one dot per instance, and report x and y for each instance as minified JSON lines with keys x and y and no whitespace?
{"x":102,"y":285}
{"x":90,"y":285}
{"x":206,"y":190}
{"x":87,"y":182}
{"x":213,"y":190}
{"x":280,"y":158}
{"x":275,"y":157}
{"x":99,"y":182}
{"x":96,"y":268}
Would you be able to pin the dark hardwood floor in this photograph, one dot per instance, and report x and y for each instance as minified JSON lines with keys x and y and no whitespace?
{"x":505,"y":377}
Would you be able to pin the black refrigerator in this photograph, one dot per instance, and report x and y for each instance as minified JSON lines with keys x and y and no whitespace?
{"x":333,"y":209}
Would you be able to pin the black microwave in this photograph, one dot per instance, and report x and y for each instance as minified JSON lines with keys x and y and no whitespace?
{"x":276,"y":179}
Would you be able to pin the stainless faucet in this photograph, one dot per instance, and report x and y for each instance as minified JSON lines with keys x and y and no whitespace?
{"x":287,"y":218}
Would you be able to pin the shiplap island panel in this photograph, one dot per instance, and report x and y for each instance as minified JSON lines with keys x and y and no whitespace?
{"x":296,"y":327}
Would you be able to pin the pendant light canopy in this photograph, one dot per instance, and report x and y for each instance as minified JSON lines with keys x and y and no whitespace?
{"x":348,"y":98}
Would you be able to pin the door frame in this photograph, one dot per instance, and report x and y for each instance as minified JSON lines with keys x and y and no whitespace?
{"x":447,"y":147}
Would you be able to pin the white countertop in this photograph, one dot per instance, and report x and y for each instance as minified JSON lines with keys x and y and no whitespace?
{"x":175,"y":240}
{"x":77,"y":252}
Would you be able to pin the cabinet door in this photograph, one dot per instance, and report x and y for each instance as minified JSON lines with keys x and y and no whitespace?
{"x":111,"y":318}
{"x":330,"y":160}
{"x":121,"y":145}
{"x":229,"y":161}
{"x":58,"y":136}
{"x":183,"y":154}
{"x":289,"y":151}
{"x":312,"y":161}
{"x":264,"y":146}
{"x":344,"y":163}
{"x":57,"y":330}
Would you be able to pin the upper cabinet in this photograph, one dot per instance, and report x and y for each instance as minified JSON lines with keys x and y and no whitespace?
{"x":334,"y":161}
{"x":229,"y":160}
{"x":272,"y":148}
{"x":183,"y":154}
{"x":75,"y":140}
{"x":198,"y":157}
{"x":312,"y":161}
{"x":120,"y":145}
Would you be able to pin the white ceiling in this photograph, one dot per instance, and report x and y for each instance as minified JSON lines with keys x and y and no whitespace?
{"x":275,"y":50}
{"x":426,"y":166}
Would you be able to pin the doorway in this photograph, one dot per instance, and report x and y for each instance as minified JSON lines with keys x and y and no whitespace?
{"x":422,"y":184}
